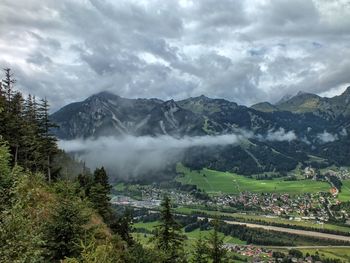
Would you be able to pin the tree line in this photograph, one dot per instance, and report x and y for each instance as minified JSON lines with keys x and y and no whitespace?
{"x":25,"y":126}
{"x":49,"y":218}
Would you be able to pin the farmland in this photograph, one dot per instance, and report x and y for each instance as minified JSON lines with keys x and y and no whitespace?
{"x":214,"y":182}
{"x":345,"y":191}
{"x":193,"y":235}
{"x":265,"y":219}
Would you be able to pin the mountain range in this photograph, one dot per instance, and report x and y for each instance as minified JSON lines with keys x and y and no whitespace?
{"x":319,"y":125}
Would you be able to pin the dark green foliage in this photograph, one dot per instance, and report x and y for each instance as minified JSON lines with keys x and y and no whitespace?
{"x":216,"y":248}
{"x":168,"y":237}
{"x":27,"y":128}
{"x":123,"y":226}
{"x":200,"y":251}
{"x":65,"y":229}
{"x":6,"y":181}
{"x":99,"y":192}
{"x":139,"y":254}
{"x":295,"y":253}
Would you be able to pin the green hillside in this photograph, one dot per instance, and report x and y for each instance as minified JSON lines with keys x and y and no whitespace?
{"x":214,"y":182}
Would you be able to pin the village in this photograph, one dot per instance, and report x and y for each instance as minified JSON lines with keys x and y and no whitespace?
{"x":310,"y":206}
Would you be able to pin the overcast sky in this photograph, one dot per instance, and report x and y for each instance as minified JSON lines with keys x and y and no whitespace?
{"x":244,"y":51}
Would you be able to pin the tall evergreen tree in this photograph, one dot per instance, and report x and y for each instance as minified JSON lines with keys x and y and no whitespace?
{"x":7,"y":85}
{"x":16,"y":124}
{"x":31,"y":141}
{"x":48,"y":141}
{"x":65,"y":229}
{"x":200,"y":251}
{"x":123,"y":227}
{"x":2,"y":101}
{"x":168,"y":237}
{"x":216,"y":248}
{"x":99,"y":193}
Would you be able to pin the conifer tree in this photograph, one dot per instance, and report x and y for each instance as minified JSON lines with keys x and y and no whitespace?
{"x":7,"y":85}
{"x":31,"y":140}
{"x":48,"y":141}
{"x":16,"y":124}
{"x":168,"y":237}
{"x":123,"y":227}
{"x":99,"y":193}
{"x":200,"y":251}
{"x":216,"y":248}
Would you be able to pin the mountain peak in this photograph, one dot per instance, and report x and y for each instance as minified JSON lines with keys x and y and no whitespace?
{"x":284,"y":98}
{"x":104,"y":94}
{"x":346,"y":91}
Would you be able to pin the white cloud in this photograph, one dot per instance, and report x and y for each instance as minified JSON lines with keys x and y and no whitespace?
{"x":131,"y":156}
{"x":327,"y":137}
{"x":279,"y":135}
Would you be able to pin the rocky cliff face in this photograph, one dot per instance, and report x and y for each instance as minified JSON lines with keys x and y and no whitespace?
{"x":320,"y":127}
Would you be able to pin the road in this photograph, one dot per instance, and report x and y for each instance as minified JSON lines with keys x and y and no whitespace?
{"x":289,"y":230}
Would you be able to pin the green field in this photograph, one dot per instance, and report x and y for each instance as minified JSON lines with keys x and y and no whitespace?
{"x":345,"y":191}
{"x":342,"y":254}
{"x":205,"y":234}
{"x":148,"y":225}
{"x":214,"y":182}
{"x":193,"y":235}
{"x":279,"y":220}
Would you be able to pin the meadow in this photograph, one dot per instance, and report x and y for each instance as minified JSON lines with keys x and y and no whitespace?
{"x":342,"y":254}
{"x":267,"y":219}
{"x":344,"y":195}
{"x":191,"y":236}
{"x":215,"y":182}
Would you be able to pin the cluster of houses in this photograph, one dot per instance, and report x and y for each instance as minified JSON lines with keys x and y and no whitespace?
{"x":257,"y":254}
{"x":306,"y":205}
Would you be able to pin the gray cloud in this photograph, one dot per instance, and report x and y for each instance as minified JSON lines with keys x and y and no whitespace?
{"x":131,"y":155}
{"x":245,"y":51}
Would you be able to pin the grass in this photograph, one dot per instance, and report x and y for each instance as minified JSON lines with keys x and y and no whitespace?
{"x":192,"y":236}
{"x":119,"y":187}
{"x":336,"y":253}
{"x":342,"y":254}
{"x":345,"y":191}
{"x":148,"y":225}
{"x":195,"y":234}
{"x":311,"y":224}
{"x":214,"y":182}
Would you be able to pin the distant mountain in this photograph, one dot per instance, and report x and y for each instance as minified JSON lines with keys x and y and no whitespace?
{"x":264,"y":107}
{"x":320,"y":126}
{"x":108,"y":114}
{"x":329,"y":108}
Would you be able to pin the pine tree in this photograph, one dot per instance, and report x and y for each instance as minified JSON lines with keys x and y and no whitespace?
{"x":16,"y":124}
{"x":101,"y":177}
{"x":123,"y":227}
{"x":99,"y":193}
{"x":31,"y":138}
{"x":168,"y":237}
{"x":200,"y":251}
{"x":48,"y":141}
{"x":216,"y":248}
{"x":65,"y":230}
{"x":2,"y":101}
{"x":7,"y":85}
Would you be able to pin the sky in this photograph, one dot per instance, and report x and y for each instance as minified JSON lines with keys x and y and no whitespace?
{"x":244,"y":51}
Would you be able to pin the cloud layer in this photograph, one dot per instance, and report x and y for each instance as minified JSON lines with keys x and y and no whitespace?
{"x":131,"y":156}
{"x":246,"y":51}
